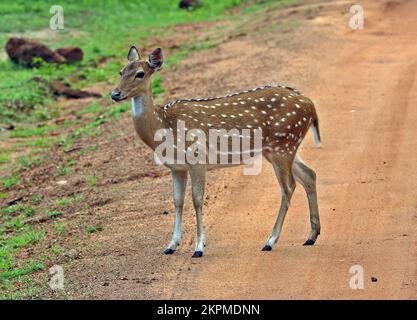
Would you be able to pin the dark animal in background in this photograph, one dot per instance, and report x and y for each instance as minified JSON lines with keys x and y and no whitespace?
{"x":187,"y":4}
{"x":71,"y":54}
{"x":23,"y":51}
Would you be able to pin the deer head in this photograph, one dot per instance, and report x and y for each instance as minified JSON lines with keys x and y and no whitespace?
{"x":136,"y":75}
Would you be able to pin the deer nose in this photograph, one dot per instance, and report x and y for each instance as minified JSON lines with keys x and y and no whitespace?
{"x":116,"y":94}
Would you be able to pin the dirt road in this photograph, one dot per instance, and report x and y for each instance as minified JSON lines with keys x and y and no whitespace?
{"x":364,"y":83}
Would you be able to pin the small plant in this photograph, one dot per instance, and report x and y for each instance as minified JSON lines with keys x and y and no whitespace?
{"x":11,"y":209}
{"x":28,"y":211}
{"x":14,"y":225}
{"x":36,"y":199}
{"x":19,"y":237}
{"x":93,"y":181}
{"x":59,"y":228}
{"x":56,"y":249}
{"x":62,"y":202}
{"x":64,"y":141}
{"x":25,"y":162}
{"x":72,"y":162}
{"x":62,"y":170}
{"x":94,"y":229}
{"x":70,"y":200}
{"x":10,"y":181}
{"x":54,"y":214}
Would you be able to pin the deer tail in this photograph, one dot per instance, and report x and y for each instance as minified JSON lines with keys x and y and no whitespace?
{"x":316,"y":130}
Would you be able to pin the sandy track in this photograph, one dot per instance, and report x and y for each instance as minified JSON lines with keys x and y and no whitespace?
{"x":364,"y":83}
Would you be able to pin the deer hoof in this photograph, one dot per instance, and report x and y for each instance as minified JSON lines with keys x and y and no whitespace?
{"x":309,"y":242}
{"x":198,"y":254}
{"x":169,"y":251}
{"x":267,"y":248}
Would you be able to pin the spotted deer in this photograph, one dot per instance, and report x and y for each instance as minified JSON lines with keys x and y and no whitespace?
{"x":282,"y":113}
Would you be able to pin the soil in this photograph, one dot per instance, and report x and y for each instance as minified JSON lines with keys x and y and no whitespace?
{"x":363,"y":82}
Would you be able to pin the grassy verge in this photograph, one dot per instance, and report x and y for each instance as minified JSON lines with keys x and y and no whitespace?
{"x":15,"y":235}
{"x":101,"y":29}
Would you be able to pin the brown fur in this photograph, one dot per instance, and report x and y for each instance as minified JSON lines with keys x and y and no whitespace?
{"x":247,"y":111}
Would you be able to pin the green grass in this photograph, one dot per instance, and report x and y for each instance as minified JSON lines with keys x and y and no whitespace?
{"x":25,"y":161}
{"x":59,"y":228}
{"x":56,"y":249}
{"x":4,"y":157}
{"x":157,"y":85}
{"x":93,"y":181}
{"x":9,"y":181}
{"x":15,"y":235}
{"x":23,"y":209}
{"x":118,"y":110}
{"x":25,"y":131}
{"x":101,"y":29}
{"x":88,"y":15}
{"x":62,"y":171}
{"x":54,"y":214}
{"x":18,"y":272}
{"x":69,"y":200}
{"x":36,"y":199}
{"x":94,"y":107}
{"x":38,"y":142}
{"x":94,"y":229}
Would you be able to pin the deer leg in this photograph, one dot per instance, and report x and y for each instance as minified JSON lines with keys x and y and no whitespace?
{"x":179,"y":183}
{"x":198,"y":176}
{"x":307,"y":178}
{"x":286,"y":180}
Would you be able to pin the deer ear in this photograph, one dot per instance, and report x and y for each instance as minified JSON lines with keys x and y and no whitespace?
{"x":156,"y":59}
{"x":133,"y":54}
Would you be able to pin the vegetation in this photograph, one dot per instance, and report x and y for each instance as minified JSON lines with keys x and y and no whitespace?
{"x":126,"y":22}
{"x":14,"y":235}
{"x":94,"y":229}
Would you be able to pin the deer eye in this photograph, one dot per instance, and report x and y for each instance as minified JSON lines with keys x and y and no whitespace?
{"x":140,"y":75}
